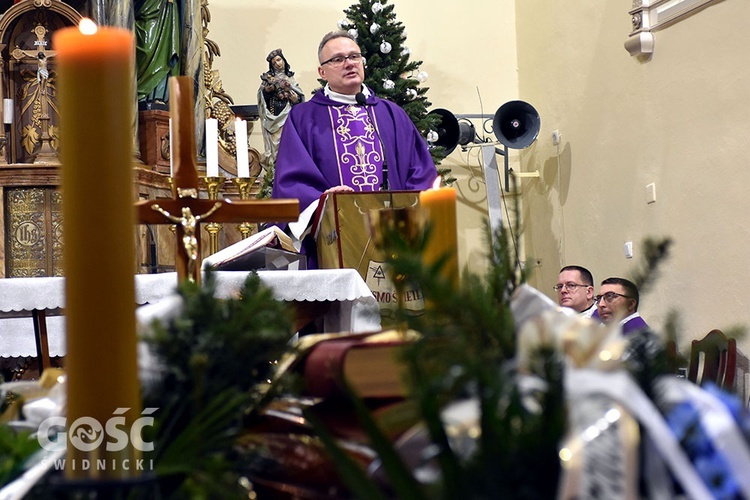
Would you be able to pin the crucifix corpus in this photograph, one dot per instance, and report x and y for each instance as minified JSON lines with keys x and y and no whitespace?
{"x":186,"y":210}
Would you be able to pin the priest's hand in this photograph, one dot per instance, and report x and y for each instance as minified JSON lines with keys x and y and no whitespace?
{"x":339,"y":189}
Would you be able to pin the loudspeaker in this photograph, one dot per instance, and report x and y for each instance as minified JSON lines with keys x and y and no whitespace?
{"x":451,"y":132}
{"x":516,"y":124}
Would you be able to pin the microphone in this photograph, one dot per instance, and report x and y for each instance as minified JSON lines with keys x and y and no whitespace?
{"x":362,"y":101}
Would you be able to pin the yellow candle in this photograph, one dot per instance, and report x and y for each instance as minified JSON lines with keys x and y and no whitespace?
{"x":95,"y":77}
{"x":440,"y":213}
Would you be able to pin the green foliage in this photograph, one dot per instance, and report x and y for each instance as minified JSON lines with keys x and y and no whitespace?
{"x":213,"y":357}
{"x":16,"y":447}
{"x":395,"y":66}
{"x":655,"y":252}
{"x":266,"y":186}
{"x":467,"y":350}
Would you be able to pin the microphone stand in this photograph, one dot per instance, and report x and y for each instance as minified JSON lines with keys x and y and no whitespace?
{"x":385,"y":185}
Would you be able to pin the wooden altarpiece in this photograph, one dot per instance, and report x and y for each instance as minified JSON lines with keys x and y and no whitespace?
{"x":31,"y":214}
{"x":29,"y":167}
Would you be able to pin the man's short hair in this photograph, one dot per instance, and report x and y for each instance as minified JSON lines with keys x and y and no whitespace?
{"x":586,"y":276}
{"x":332,"y":35}
{"x":630,"y":289}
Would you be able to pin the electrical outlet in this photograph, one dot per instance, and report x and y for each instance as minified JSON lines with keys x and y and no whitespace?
{"x":628,"y":249}
{"x":556,"y":137}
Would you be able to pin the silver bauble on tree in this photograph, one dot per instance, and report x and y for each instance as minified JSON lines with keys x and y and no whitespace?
{"x":422,"y":76}
{"x":377,"y":7}
{"x":388,"y":84}
{"x":343,"y":24}
{"x":385,"y":47}
{"x":374,"y":28}
{"x":353,"y":33}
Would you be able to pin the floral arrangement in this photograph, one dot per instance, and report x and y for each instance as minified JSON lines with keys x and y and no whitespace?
{"x":517,"y":399}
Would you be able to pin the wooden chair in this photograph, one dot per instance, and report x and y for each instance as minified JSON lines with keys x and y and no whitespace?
{"x":677,"y":363}
{"x":713,"y":359}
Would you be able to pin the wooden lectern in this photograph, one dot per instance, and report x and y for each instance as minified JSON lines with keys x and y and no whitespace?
{"x":343,"y":240}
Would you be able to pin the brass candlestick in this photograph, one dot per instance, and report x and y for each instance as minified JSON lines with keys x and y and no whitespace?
{"x":170,"y":181}
{"x":213,"y":185}
{"x":244,"y":186}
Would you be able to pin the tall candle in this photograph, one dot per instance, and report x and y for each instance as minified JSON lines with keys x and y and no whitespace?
{"x":7,"y":111}
{"x":440,"y":213}
{"x":94,"y":77}
{"x":240,"y":134}
{"x":212,"y":147}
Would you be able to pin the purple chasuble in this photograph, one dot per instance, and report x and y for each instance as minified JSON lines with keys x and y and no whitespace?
{"x":320,"y":148}
{"x":310,"y":161}
{"x":358,"y":150}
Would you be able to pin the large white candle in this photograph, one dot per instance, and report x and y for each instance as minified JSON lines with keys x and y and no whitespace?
{"x":212,"y":147}
{"x":240,"y":133}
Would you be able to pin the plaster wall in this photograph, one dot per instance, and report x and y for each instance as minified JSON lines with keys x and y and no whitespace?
{"x":678,"y":119}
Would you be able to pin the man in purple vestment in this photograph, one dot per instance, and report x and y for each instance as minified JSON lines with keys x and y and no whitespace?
{"x":347,"y":139}
{"x":618,"y":300}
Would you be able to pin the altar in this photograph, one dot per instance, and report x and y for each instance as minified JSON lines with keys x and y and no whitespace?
{"x":341,"y":298}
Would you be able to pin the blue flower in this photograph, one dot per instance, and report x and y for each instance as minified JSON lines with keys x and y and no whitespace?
{"x":684,"y":420}
{"x":714,"y":472}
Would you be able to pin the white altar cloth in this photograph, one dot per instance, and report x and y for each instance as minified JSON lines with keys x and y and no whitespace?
{"x":354,"y":308}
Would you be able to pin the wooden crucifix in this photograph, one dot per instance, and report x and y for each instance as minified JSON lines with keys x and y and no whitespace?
{"x":46,"y":153}
{"x":186,"y":210}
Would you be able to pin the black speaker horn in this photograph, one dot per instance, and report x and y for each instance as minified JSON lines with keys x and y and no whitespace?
{"x":451,"y":132}
{"x":516,"y":124}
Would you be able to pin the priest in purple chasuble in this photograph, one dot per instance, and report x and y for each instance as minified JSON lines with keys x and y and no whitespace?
{"x":339,"y":141}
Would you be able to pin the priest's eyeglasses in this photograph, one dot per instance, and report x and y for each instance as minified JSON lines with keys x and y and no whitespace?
{"x":355,"y":58}
{"x":610,"y":297}
{"x":570,"y":286}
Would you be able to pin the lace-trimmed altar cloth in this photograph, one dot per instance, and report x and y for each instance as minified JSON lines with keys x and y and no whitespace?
{"x":354,"y":310}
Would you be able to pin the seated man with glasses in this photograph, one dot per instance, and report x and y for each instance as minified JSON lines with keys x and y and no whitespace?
{"x":575,"y":289}
{"x":618,"y":300}
{"x":347,"y":139}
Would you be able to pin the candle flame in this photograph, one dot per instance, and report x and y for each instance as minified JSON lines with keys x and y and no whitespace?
{"x":87,"y":26}
{"x":437,"y":183}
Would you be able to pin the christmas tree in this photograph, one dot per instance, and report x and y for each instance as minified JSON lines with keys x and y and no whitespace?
{"x":390,"y":72}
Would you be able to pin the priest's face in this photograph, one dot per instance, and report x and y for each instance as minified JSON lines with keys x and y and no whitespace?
{"x":614,"y":303}
{"x":347,"y":77}
{"x":573,"y":292}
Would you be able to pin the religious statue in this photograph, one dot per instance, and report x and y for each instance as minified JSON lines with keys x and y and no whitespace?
{"x":157,"y":32}
{"x":189,"y":224}
{"x":277,"y":94}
